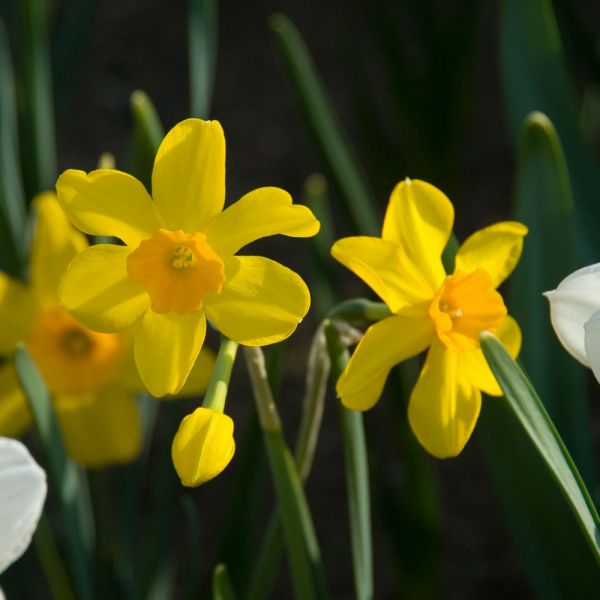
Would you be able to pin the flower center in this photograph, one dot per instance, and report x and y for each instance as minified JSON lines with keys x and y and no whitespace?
{"x":177,"y":269}
{"x":182,"y":258}
{"x":465,"y":305}
{"x":77,"y":342}
{"x":72,"y":359}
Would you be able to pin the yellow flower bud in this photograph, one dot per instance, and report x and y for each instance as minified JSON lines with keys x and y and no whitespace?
{"x":203,"y":446}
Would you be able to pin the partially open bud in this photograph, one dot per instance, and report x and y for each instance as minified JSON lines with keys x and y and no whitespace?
{"x":203,"y":446}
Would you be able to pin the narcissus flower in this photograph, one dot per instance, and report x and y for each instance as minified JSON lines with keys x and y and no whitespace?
{"x":431,"y":309}
{"x":179,"y":265}
{"x":90,"y":375}
{"x":575,"y":315}
{"x":203,"y":446}
{"x":22,"y":495}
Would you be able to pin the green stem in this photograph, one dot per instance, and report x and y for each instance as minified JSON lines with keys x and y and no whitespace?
{"x":357,"y":474}
{"x":313,"y":404}
{"x":359,"y":310}
{"x":216,"y":394}
{"x":301,"y":540}
{"x":312,"y":413}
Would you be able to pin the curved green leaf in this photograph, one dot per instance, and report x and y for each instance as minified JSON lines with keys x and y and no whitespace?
{"x":543,"y":201}
{"x":556,"y":522}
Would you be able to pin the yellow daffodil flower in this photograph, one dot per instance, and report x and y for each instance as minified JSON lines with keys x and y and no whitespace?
{"x":178,"y":265}
{"x":202,"y":446}
{"x":431,"y":309}
{"x":88,"y":373}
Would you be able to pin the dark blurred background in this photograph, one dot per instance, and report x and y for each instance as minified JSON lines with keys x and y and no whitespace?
{"x":416,"y":85}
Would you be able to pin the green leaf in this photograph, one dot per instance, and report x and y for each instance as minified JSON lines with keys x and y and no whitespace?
{"x":203,"y":27}
{"x":535,"y":78}
{"x":222,"y":587}
{"x":37,"y":118}
{"x":63,"y":473}
{"x":325,"y":126}
{"x":544,"y":496}
{"x":317,"y":199}
{"x":12,"y":198}
{"x":543,"y":201}
{"x":148,"y":133}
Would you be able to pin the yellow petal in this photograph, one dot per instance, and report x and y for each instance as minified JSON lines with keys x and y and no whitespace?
{"x":385,"y":268}
{"x":166,"y":347}
{"x":384,"y":345}
{"x":55,"y":243}
{"x":476,"y":368}
{"x":444,"y":406}
{"x":496,"y":249}
{"x":261,"y":213}
{"x":100,"y":429}
{"x":188,"y":180}
{"x":97,"y":291}
{"x":15,"y":416}
{"x":262,"y":302}
{"x":419,"y":217}
{"x":203,"y":446}
{"x":17,"y":309}
{"x":199,"y":377}
{"x":108,"y":202}
{"x":196,"y":384}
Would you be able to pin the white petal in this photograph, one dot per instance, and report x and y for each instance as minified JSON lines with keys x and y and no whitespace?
{"x":572,"y":304}
{"x":592,"y":343}
{"x":22,"y":495}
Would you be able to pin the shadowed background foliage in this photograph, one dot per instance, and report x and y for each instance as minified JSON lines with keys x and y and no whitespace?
{"x":418,"y":89}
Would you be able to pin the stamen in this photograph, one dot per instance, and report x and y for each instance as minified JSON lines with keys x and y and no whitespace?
{"x":182,"y":258}
{"x":465,"y":305}
{"x":76,"y":343}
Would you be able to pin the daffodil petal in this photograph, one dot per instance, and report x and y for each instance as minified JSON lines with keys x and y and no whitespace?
{"x":444,"y":405}
{"x":420,"y":217}
{"x":199,"y":377}
{"x":203,"y":446}
{"x":572,"y":304}
{"x":15,"y":416}
{"x":100,"y":429}
{"x":261,"y":303}
{"x":97,"y":290}
{"x":188,"y":180}
{"x":108,"y":202}
{"x":166,"y":347}
{"x":196,"y":383}
{"x":22,"y":495}
{"x":385,"y":268}
{"x":496,"y":249}
{"x":476,"y":368}
{"x":17,"y":307}
{"x":261,"y":213}
{"x":55,"y":243}
{"x":384,"y":345}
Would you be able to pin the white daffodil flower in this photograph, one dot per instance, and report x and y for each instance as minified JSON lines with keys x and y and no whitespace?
{"x":22,"y":495}
{"x":575,"y":315}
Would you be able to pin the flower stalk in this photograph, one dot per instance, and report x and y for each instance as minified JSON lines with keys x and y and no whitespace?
{"x":302,"y":545}
{"x":357,"y":473}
